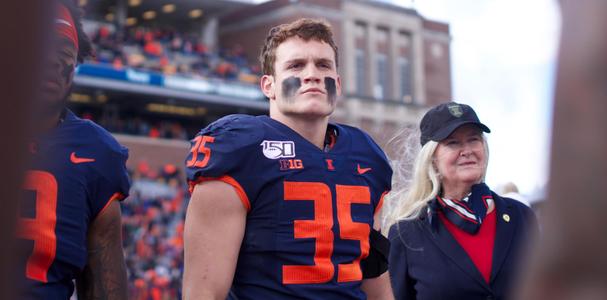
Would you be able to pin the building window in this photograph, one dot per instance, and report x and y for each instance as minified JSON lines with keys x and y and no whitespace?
{"x":382,"y":35}
{"x":404,"y":39}
{"x":361,"y":30}
{"x":361,"y":73}
{"x":404,"y":64}
{"x":380,"y":90}
{"x":404,"y":70}
{"x":360,"y":57}
{"x":437,"y":50}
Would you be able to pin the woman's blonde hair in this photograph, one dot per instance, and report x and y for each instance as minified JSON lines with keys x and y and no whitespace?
{"x":412,"y":190}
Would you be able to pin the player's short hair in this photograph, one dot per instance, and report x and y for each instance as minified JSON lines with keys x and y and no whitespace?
{"x":85,"y":47}
{"x":306,"y":29}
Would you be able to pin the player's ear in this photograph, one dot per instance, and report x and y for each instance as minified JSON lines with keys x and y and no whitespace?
{"x":268,"y":86}
{"x":338,"y":85}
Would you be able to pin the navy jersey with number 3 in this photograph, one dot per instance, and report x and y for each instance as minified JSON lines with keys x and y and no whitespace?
{"x":76,"y":171}
{"x":309,"y":211}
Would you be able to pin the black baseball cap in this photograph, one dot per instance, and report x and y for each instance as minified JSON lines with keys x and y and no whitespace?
{"x":440,"y":121}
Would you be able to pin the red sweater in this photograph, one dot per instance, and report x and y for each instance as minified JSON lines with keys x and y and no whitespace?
{"x":478,"y":246}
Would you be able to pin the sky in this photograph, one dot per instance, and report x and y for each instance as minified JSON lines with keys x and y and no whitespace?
{"x":503,"y":56}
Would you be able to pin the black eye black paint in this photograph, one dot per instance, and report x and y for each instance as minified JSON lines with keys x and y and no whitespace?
{"x":331,"y":89}
{"x":290,"y":87}
{"x":67,"y":72}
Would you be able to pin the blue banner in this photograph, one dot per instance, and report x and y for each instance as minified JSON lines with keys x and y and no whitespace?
{"x":213,"y":86}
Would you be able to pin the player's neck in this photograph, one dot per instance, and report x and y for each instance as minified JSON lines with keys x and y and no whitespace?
{"x":49,"y":122}
{"x":313,"y":130}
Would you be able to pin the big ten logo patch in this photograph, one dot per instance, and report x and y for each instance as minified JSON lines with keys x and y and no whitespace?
{"x":290,"y":164}
{"x":278,"y":149}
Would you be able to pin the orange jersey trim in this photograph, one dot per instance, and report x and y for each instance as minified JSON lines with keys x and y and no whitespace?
{"x":115,"y":197}
{"x":381,"y":203}
{"x":229,"y":180}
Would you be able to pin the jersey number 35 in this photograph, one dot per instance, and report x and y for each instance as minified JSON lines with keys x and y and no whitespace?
{"x":321,"y":229}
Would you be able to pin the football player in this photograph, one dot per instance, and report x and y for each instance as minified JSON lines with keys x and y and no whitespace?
{"x":283,"y":206}
{"x":69,"y":219}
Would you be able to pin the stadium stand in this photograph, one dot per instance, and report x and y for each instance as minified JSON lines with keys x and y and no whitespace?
{"x":141,"y":127}
{"x":170,"y":52}
{"x":153,"y":224}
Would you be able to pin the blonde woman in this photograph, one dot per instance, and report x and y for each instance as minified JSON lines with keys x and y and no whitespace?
{"x":451,"y":236}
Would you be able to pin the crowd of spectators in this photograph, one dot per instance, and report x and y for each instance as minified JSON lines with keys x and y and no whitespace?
{"x":153,"y":221}
{"x":164,"y":129}
{"x":171,"y":52}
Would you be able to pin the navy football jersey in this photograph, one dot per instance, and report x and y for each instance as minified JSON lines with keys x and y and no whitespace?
{"x":76,"y":170}
{"x":310,"y":211}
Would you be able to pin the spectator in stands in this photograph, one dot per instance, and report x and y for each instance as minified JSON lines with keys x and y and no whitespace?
{"x":171,"y":52}
{"x":138,"y":126}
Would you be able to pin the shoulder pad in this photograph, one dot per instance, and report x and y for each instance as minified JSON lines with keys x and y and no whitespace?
{"x":222,"y":147}
{"x":244,"y":129}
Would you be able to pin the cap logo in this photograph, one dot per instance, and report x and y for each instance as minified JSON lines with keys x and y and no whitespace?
{"x":456,"y":110}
